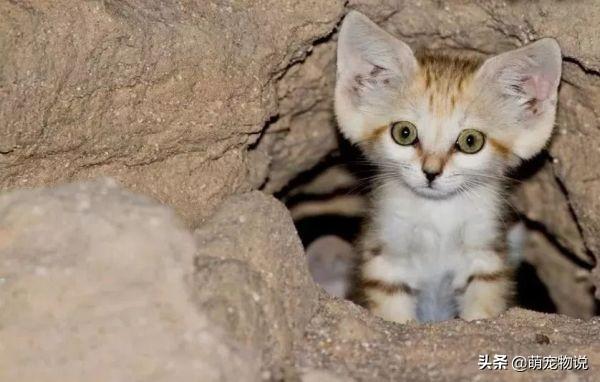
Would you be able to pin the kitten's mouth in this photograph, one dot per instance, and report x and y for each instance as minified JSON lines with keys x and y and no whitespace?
{"x":431,"y":192}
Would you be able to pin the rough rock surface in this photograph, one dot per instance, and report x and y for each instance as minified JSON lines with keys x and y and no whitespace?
{"x":252,"y":278}
{"x":118,"y":290}
{"x":306,"y":132}
{"x":165,"y":96}
{"x":569,"y":286}
{"x":93,"y":286}
{"x":353,"y":345}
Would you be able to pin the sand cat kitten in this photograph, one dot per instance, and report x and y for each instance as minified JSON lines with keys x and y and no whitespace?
{"x":442,"y":130}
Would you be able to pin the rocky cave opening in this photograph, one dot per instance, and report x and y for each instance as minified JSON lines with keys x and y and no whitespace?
{"x":184,"y":265}
{"x":329,"y":203}
{"x":327,"y":189}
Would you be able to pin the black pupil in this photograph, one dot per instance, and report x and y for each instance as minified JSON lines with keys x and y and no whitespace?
{"x":470,"y":140}
{"x":405,"y":132}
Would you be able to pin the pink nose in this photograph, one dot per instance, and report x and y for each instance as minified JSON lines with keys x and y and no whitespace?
{"x":432,"y":167}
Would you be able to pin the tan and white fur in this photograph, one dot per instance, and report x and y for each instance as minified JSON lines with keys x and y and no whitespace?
{"x":432,"y":250}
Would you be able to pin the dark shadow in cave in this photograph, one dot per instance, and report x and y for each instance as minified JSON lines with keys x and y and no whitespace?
{"x":532,"y":293}
{"x":530,"y":167}
{"x":345,"y":227}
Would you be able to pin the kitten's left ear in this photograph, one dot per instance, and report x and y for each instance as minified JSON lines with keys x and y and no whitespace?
{"x":527,"y":81}
{"x":372,"y":69}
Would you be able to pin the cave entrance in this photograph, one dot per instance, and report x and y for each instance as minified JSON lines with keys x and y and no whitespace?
{"x":329,"y":203}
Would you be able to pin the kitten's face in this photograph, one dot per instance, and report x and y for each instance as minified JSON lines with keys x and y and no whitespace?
{"x":443,"y":124}
{"x":438,"y":141}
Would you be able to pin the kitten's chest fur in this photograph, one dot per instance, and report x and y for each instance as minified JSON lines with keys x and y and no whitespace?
{"x":434,"y":232}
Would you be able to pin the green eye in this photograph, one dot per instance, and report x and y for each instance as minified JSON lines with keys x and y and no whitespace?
{"x":404,"y":133}
{"x":470,"y":141}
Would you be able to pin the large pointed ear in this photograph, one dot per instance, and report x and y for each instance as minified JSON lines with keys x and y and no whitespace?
{"x":524,"y":83}
{"x":371,"y":66}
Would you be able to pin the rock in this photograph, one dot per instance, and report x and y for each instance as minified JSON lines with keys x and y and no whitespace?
{"x":533,"y":198}
{"x":447,"y":351}
{"x":305,"y":132}
{"x":94,"y":287}
{"x":569,"y":285}
{"x":330,"y":180}
{"x":574,"y":149}
{"x":97,"y":283}
{"x":166,"y":97}
{"x":322,"y":376}
{"x":252,"y":277}
{"x":342,"y":205}
{"x":334,"y":191}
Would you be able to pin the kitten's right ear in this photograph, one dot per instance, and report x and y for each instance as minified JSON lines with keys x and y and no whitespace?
{"x":372,"y":66}
{"x":525,"y":84}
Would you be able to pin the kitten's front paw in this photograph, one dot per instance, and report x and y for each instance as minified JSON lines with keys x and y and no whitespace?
{"x":486,"y":296}
{"x":479,"y":314}
{"x":397,"y":307}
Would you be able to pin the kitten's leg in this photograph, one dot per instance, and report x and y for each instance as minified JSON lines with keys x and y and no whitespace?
{"x":387,"y":296}
{"x":398,"y":306}
{"x":488,"y":290}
